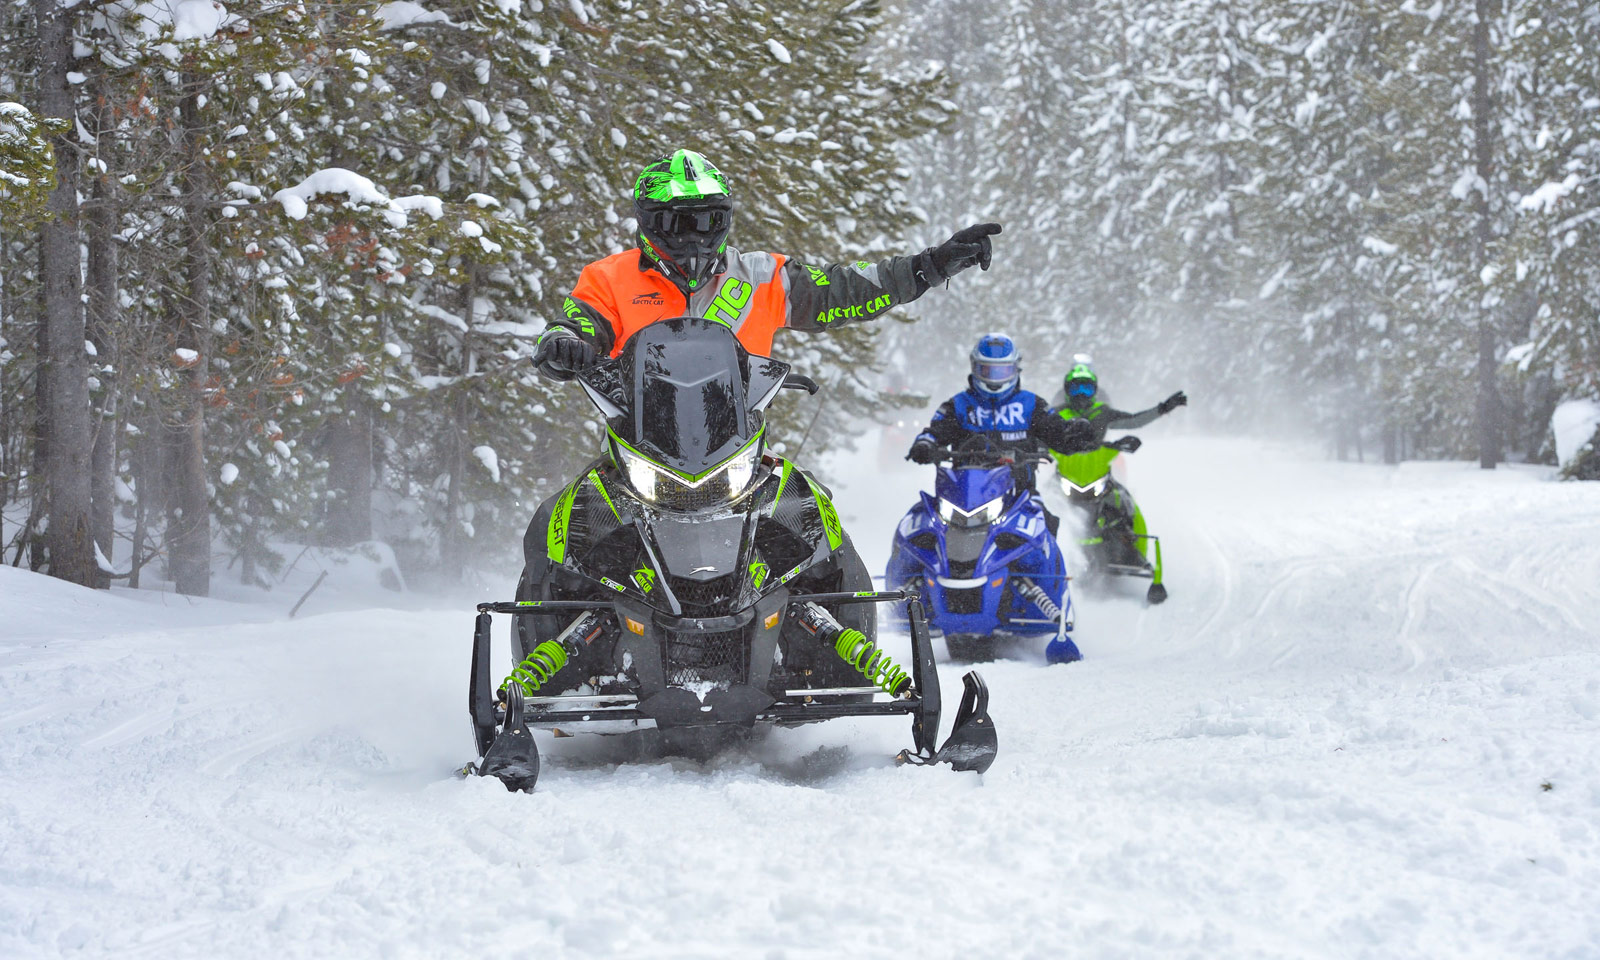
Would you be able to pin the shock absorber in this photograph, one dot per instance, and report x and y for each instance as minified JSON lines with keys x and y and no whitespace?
{"x":549,"y":657}
{"x":853,"y":648}
{"x":1040,"y":598}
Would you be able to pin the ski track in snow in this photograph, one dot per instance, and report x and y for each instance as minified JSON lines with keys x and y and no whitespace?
{"x":1329,"y":743}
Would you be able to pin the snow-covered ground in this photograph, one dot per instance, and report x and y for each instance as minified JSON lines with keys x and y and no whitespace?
{"x":1367,"y":724}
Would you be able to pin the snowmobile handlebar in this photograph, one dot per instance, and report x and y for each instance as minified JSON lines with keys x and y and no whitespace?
{"x":556,"y":606}
{"x":989,"y":457}
{"x":799,"y":381}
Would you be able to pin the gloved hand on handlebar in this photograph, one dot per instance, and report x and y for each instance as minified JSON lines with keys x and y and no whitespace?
{"x":1126,"y":444}
{"x":922,"y":451}
{"x":1179,"y":399}
{"x":562,"y":354}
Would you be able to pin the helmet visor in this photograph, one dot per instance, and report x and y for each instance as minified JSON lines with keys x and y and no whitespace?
{"x":1081,"y":388}
{"x":995,"y":372}
{"x":679,"y":223}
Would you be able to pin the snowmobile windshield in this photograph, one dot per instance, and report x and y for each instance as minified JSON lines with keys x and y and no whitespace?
{"x":688,"y":437}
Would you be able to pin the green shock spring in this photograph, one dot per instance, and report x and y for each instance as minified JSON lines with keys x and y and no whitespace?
{"x":871,"y":661}
{"x":535,"y":671}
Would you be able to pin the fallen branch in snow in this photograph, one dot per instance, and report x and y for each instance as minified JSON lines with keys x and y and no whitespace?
{"x":307,"y":595}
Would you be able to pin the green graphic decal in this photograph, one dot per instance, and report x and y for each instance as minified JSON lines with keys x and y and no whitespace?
{"x":830,"y":516}
{"x":686,"y":175}
{"x":783,"y":480}
{"x":594,"y":478}
{"x":818,"y":277}
{"x":730,"y":302}
{"x":613,"y":584}
{"x":560,"y":518}
{"x":856,"y":312}
{"x":574,"y":311}
{"x":758,"y":574}
{"x":645,"y":578}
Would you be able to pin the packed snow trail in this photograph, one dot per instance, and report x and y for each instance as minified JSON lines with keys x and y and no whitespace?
{"x":1367,"y":724}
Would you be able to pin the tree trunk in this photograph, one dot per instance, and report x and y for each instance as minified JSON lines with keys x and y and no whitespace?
{"x":189,"y":516}
{"x":350,"y":472}
{"x":454,"y":547}
{"x":102,"y":313}
{"x":64,"y":394}
{"x":145,"y":471}
{"x":1488,"y":401}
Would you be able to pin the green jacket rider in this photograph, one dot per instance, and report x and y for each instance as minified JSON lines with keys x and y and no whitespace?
{"x":1079,"y":400}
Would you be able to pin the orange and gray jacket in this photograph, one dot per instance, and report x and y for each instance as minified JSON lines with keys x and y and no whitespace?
{"x":756,"y":296}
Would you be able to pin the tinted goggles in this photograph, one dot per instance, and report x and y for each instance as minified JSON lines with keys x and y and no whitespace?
{"x":674,"y":223}
{"x":1081,"y":388}
{"x":996,"y":372}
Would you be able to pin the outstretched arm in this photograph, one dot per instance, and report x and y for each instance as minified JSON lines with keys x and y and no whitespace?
{"x":832,"y":293}
{"x":1118,"y":420}
{"x":838,"y":293}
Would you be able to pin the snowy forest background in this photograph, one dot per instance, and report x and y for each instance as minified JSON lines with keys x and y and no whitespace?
{"x":272,"y":272}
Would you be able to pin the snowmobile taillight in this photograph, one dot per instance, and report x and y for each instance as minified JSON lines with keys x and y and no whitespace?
{"x":634,"y":626}
{"x":772,"y":621}
{"x":978,"y":517}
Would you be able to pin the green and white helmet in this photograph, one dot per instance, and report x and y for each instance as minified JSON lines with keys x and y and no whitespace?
{"x":1080,"y":385}
{"x":684,"y":211}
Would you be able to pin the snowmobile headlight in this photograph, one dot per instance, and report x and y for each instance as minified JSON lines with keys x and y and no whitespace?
{"x":1094,"y":489}
{"x":985,"y":514}
{"x":668,"y":488}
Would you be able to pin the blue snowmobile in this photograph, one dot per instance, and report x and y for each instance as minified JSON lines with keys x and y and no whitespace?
{"x":980,"y":553}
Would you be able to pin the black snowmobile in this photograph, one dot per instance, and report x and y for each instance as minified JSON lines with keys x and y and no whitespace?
{"x":687,"y":583}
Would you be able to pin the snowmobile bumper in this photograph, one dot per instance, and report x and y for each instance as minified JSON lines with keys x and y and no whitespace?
{"x":502,"y":718}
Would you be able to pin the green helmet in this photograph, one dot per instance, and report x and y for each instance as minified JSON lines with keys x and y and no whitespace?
{"x":684,"y":211}
{"x":1080,"y":385}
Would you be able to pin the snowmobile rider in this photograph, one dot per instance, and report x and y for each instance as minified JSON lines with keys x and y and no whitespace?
{"x":1078,"y":398}
{"x":995,"y":406}
{"x":1079,"y":403}
{"x":684,"y":266}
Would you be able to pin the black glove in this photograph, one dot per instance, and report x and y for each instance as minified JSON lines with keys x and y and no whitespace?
{"x":1179,"y":399}
{"x":966,"y":247}
{"x":1081,"y":435}
{"x":562,"y":353}
{"x":921,"y":451}
{"x":1127,"y":444}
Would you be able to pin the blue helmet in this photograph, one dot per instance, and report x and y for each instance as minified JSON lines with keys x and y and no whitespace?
{"x":996,"y":365}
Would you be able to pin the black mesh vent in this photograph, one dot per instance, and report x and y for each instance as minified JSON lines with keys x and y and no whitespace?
{"x":962,"y":569}
{"x":924,"y":540}
{"x":964,"y":601}
{"x":702,"y":598}
{"x":779,"y":546}
{"x":1008,"y":541}
{"x":697,"y":657}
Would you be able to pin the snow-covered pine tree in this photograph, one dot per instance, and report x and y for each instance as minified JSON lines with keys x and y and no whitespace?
{"x":1556,"y":249}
